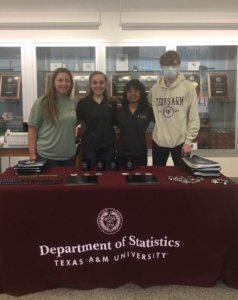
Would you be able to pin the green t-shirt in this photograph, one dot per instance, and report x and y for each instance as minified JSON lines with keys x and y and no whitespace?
{"x":55,"y":141}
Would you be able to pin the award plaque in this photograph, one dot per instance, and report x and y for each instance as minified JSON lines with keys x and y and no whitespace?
{"x":88,"y":67}
{"x":81,"y":82}
{"x":122,"y":63}
{"x":10,"y":86}
{"x":55,"y":65}
{"x":118,"y":83}
{"x":217,"y":85}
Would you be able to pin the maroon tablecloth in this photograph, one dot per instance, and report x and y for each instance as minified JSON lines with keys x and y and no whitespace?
{"x":112,"y":233}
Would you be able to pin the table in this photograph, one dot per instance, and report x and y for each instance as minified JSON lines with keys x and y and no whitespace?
{"x":9,"y":151}
{"x":112,"y":233}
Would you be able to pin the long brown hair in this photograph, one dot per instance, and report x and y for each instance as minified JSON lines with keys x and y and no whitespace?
{"x":49,"y":100}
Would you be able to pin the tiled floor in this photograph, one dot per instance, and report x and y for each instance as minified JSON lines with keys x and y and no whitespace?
{"x":235,"y":179}
{"x":133,"y":292}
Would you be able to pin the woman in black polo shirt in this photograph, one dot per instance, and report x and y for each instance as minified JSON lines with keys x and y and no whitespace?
{"x":133,"y":118}
{"x":97,"y":114}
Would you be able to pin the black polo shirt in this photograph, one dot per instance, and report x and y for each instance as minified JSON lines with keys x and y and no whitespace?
{"x":99,"y":120}
{"x":132,"y":127}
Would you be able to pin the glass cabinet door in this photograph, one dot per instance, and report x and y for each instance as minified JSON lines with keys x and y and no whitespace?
{"x":79,"y":60}
{"x":133,"y":62}
{"x":125,"y":63}
{"x":11,"y":106}
{"x":213,"y":70}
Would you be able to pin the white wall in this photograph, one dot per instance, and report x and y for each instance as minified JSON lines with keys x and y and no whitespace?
{"x":110,"y":31}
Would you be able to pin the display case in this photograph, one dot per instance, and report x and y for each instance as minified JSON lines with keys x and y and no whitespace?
{"x":213,"y":69}
{"x":124,"y":63}
{"x":79,"y":60}
{"x":25,"y":71}
{"x":129,"y":62}
{"x":11,"y":105}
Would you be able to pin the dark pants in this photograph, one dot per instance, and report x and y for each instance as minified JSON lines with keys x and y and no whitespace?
{"x":160,"y":155}
{"x":106,"y":154}
{"x":59,"y":163}
{"x":138,"y":160}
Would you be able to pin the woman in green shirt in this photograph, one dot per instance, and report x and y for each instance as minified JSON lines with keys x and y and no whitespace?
{"x":52,"y":122}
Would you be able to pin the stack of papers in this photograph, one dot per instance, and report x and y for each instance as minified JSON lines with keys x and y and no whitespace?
{"x":201,"y":166}
{"x":17,"y":138}
{"x":30,"y":167}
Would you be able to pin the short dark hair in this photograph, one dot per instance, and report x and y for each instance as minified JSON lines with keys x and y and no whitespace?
{"x":137,"y":85}
{"x":170,"y":58}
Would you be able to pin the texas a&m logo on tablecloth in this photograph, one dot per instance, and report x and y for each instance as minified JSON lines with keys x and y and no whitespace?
{"x":110,"y":220}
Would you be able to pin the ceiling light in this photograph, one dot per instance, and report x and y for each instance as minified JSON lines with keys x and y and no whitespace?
{"x":49,"y":25}
{"x":178,"y":26}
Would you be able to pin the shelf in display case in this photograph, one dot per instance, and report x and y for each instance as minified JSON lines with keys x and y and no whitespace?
{"x":80,"y":80}
{"x":148,"y":80}
{"x":118,"y":81}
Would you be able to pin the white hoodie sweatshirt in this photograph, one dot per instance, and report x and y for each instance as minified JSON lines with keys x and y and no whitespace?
{"x":176,"y":112}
